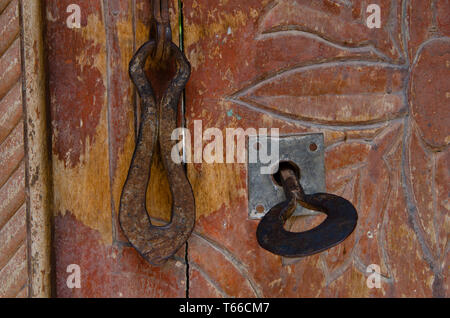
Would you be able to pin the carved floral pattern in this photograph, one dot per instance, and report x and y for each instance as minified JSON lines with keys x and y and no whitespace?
{"x":382,"y":93}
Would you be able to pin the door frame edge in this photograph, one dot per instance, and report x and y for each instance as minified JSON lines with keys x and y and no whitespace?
{"x":37,"y":149}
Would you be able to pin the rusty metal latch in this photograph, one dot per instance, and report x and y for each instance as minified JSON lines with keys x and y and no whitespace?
{"x":340,"y":223}
{"x":158,"y":120}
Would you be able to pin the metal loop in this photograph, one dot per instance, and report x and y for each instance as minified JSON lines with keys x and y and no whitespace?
{"x":340,"y":222}
{"x":158,"y":120}
{"x":161,"y":31}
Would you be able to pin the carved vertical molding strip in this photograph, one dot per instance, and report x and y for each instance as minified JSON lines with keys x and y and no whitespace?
{"x":13,"y":229}
{"x":38,"y":166}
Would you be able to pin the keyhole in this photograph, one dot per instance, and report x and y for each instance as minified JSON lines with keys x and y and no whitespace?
{"x":276,"y":177}
{"x":313,"y":147}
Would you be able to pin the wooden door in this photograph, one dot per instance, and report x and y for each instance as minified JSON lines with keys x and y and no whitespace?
{"x":379,"y":96}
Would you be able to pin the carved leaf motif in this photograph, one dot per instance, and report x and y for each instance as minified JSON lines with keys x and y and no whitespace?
{"x":351,"y":167}
{"x":428,"y":152}
{"x":429,"y":94}
{"x":429,"y":173}
{"x":331,"y":93}
{"x":344,"y":165}
{"x":334,"y":92}
{"x":314,"y":66}
{"x":206,"y":273}
{"x":339,"y":22}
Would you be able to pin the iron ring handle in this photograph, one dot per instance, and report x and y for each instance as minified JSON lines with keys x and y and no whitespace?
{"x":158,"y":120}
{"x":340,"y":223}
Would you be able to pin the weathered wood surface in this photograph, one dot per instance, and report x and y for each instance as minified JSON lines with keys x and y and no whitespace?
{"x":37,"y":146}
{"x":302,"y":66}
{"x":13,"y":231}
{"x":94,"y":111}
{"x":380,"y":99}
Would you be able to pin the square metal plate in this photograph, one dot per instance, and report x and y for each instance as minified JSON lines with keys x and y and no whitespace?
{"x":306,"y":151}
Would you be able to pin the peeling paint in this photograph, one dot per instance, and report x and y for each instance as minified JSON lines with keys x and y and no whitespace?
{"x":84,"y":189}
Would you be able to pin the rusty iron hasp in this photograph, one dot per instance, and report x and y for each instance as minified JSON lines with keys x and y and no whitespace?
{"x":160,"y":30}
{"x":340,"y":223}
{"x":157,"y":244}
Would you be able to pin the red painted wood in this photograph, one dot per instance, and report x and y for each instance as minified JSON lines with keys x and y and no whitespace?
{"x":301,"y":66}
{"x":314,"y":66}
{"x":93,"y":108}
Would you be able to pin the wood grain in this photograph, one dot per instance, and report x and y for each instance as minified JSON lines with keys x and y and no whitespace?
{"x":13,"y":231}
{"x":95,"y":114}
{"x":313,"y":66}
